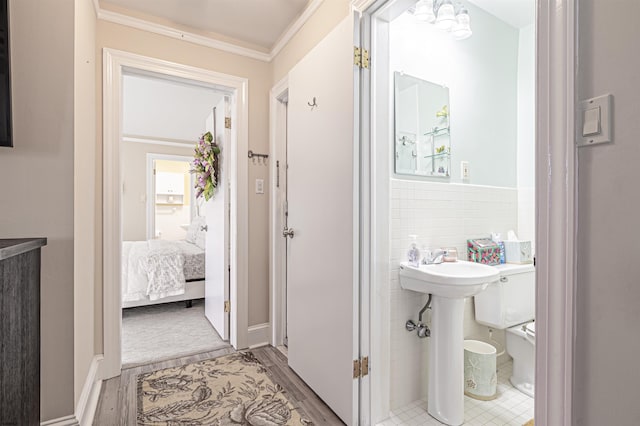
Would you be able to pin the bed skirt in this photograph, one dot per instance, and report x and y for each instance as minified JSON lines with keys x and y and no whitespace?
{"x":193,"y":290}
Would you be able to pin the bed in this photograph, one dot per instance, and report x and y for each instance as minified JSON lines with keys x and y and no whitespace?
{"x":161,"y":271}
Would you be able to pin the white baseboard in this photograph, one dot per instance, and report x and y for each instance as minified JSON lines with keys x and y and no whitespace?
{"x":259,"y":335}
{"x":86,"y":408}
{"x":62,"y":421}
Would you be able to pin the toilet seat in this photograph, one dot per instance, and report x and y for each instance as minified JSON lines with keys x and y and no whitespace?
{"x":526,"y":331}
{"x":530,"y":329}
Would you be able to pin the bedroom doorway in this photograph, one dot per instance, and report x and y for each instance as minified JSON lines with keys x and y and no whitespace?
{"x":175,"y":281}
{"x":171,"y":202}
{"x":168,"y":275}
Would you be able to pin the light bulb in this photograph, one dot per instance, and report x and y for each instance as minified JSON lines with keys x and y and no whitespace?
{"x":462,"y":28}
{"x":445,"y":17}
{"x":424,"y":11}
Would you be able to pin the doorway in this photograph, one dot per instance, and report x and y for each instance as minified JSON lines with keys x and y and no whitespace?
{"x":185,"y":255}
{"x":315,"y":222}
{"x":279,"y":98}
{"x":554,"y":180}
{"x":234,"y":89}
{"x":170,"y":192}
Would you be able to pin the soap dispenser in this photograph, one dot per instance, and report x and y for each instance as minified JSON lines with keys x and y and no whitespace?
{"x":413,"y":256}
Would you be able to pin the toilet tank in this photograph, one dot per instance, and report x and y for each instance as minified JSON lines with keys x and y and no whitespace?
{"x":509,"y":301}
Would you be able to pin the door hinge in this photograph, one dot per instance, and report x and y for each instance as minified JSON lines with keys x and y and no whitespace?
{"x":227,"y":122}
{"x":360,"y":57}
{"x":364,"y":366}
{"x":360,"y":367}
{"x":227,"y":307}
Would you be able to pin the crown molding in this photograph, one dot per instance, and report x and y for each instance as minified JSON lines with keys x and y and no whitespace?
{"x":96,"y":7}
{"x":295,"y":27}
{"x":152,"y":27}
{"x":361,"y":5}
{"x":165,"y":30}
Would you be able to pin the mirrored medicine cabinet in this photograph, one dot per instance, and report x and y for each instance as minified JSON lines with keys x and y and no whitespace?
{"x":422,"y":129}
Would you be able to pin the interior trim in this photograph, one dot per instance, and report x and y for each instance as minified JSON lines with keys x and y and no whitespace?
{"x":69,"y":420}
{"x":168,"y":31}
{"x":96,"y":7}
{"x":556,"y":167}
{"x":152,"y":27}
{"x":295,"y":27}
{"x":259,"y":335}
{"x":277,"y":247}
{"x":88,"y":401}
{"x":114,"y":64}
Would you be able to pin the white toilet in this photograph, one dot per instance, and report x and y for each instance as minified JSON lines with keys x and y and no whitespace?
{"x":510,"y":304}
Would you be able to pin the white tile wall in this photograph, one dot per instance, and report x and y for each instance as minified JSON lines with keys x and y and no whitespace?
{"x":442,"y":215}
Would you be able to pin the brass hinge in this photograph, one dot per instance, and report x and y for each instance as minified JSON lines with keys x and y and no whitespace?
{"x":360,"y":57}
{"x":227,"y":306}
{"x":360,"y":367}
{"x":227,"y":122}
{"x":365,"y":58}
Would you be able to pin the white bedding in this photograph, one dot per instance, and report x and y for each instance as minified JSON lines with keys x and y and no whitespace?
{"x":151,"y":270}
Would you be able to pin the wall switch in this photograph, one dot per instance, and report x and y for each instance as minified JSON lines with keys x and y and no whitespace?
{"x":594,"y":121}
{"x":259,"y":186}
{"x":464,"y":170}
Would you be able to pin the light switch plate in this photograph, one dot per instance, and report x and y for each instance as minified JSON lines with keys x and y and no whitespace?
{"x":259,"y":186}
{"x":594,"y":121}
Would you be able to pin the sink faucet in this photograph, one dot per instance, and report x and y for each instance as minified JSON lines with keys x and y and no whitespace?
{"x":435,"y":257}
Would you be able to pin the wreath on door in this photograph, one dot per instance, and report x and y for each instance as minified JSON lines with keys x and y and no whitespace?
{"x":206,"y":166}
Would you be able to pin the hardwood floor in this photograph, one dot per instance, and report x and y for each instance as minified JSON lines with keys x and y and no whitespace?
{"x":117,"y":403}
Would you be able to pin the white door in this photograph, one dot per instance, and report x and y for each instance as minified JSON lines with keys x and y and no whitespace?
{"x":322,"y":272}
{"x":217,"y":242}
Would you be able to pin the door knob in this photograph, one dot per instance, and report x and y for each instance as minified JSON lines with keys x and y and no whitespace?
{"x":204,"y":228}
{"x":287,"y":232}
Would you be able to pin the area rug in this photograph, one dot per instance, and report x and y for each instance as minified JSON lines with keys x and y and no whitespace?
{"x":226,"y":391}
{"x":160,"y":332}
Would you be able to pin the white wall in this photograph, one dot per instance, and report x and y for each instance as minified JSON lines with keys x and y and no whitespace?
{"x":606,"y":370}
{"x":134,"y":178}
{"x":526,"y":134}
{"x":37,"y":193}
{"x":443,"y":215}
{"x":165,"y":109}
{"x":481,"y":73}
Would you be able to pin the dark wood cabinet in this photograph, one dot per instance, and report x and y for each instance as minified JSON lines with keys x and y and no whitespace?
{"x":20,"y":331}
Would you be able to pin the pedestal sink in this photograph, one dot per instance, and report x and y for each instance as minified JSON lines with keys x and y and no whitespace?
{"x":449,"y":283}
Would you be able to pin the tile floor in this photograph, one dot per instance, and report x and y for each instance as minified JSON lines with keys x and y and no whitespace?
{"x":511,"y":407}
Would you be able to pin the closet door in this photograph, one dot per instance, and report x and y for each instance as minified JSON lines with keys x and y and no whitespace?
{"x":322,"y":264}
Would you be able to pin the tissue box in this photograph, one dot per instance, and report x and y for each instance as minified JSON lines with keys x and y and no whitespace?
{"x":518,"y":251}
{"x":483,"y":251}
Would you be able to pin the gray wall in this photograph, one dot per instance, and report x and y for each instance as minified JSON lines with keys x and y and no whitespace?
{"x":608,"y":289}
{"x":36,"y":189}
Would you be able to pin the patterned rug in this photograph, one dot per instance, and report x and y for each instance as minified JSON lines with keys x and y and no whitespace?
{"x":227,"y":391}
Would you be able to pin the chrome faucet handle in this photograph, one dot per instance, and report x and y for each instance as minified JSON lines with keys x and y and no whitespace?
{"x":435,"y":257}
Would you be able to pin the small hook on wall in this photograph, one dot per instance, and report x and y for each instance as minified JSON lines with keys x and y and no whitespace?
{"x":314,"y":104}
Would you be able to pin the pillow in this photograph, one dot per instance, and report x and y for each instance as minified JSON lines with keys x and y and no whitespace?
{"x":194,"y":229}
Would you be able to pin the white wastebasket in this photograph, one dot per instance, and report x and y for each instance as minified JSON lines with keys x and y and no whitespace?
{"x":480,"y":377}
